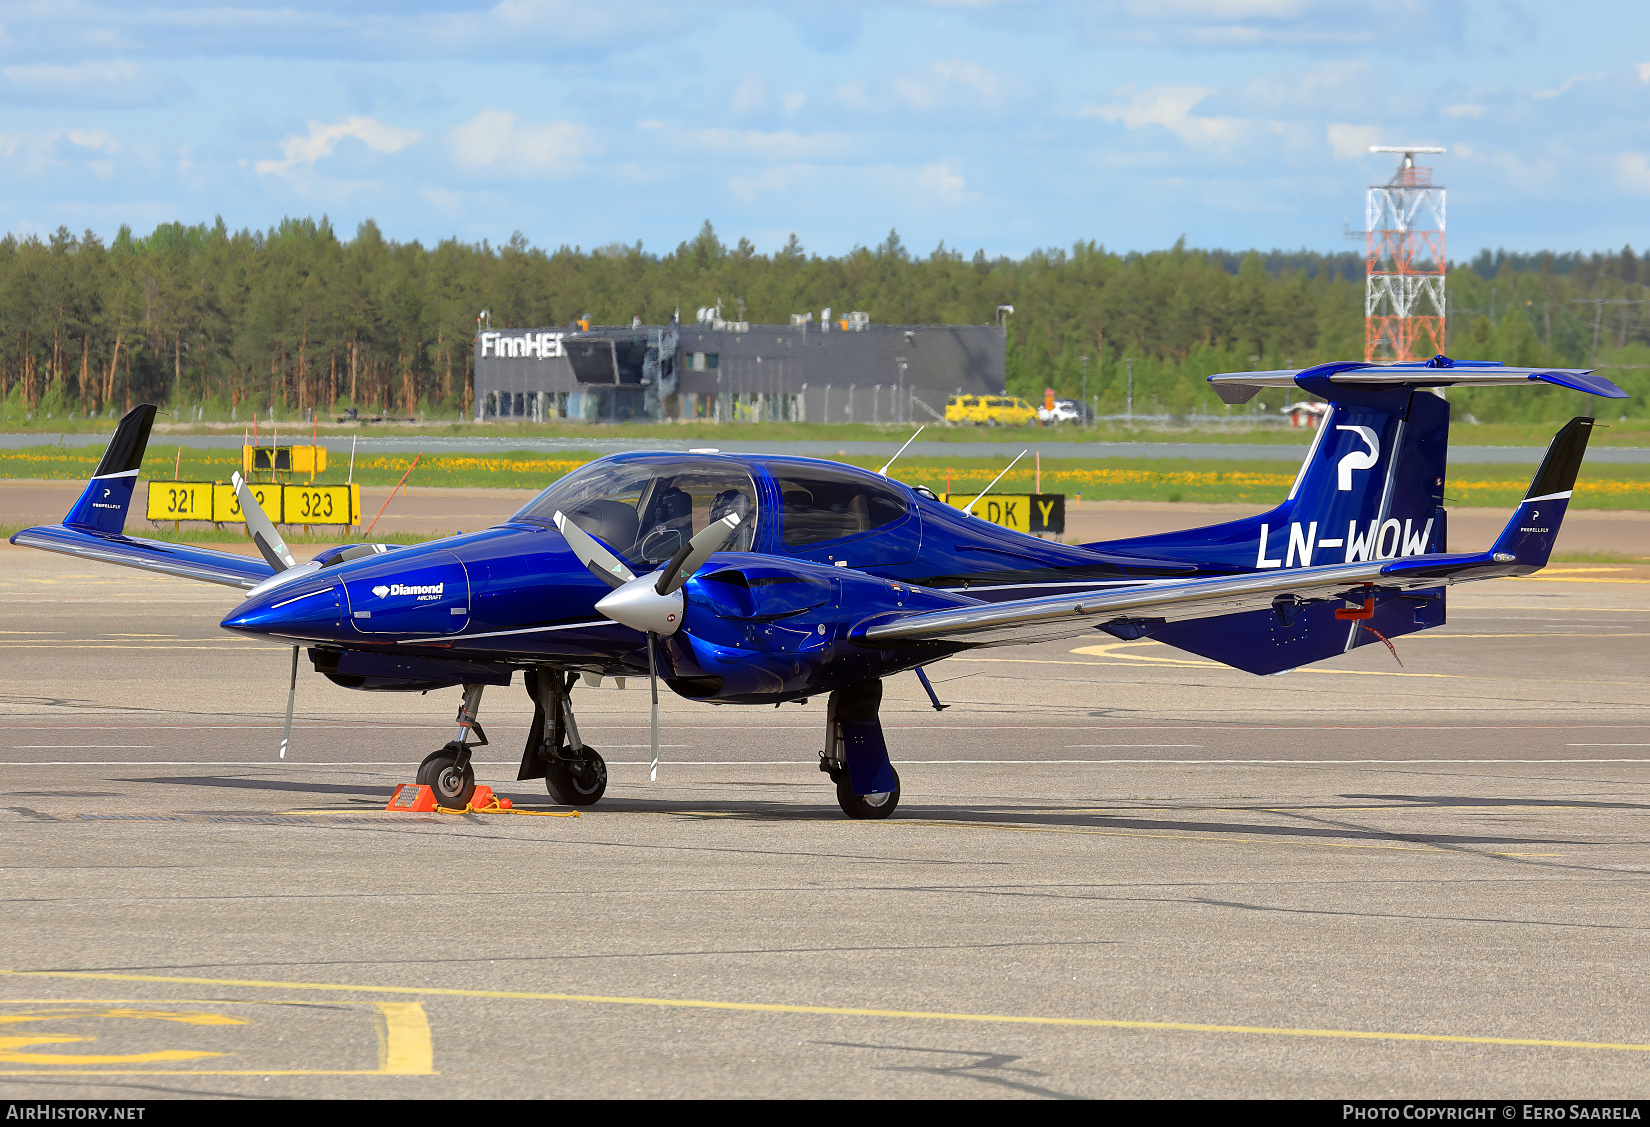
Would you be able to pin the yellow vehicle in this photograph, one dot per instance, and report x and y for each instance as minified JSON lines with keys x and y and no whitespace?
{"x":990,"y":411}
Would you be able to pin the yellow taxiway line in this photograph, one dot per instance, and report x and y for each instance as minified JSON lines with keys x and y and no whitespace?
{"x":848,"y":1011}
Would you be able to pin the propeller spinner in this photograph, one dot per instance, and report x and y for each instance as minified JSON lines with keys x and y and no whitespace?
{"x":653,"y":603}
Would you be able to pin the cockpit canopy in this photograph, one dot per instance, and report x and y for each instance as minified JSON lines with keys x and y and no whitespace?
{"x":647,"y":510}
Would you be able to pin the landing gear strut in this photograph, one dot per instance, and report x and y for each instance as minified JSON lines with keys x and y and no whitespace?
{"x":448,"y":772}
{"x":573,"y":772}
{"x":856,"y":756}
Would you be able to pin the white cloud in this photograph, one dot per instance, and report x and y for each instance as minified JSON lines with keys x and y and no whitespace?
{"x":793,"y":102}
{"x":1534,"y":169}
{"x":1463,"y":109}
{"x":944,"y":85}
{"x":52,"y":152}
{"x":747,"y":188}
{"x":1224,"y":9}
{"x":1251,"y":24}
{"x":948,"y":85}
{"x":1311,"y":91}
{"x":1633,"y":173}
{"x":780,"y":146}
{"x":1170,"y":107}
{"x":942,"y":182}
{"x":323,"y":139}
{"x":750,"y":96}
{"x":855,"y":95}
{"x":499,"y":142}
{"x":444,"y":201}
{"x":917,"y":187}
{"x":105,"y":83}
{"x":91,"y":139}
{"x":1350,"y":141}
{"x":1644,"y":72}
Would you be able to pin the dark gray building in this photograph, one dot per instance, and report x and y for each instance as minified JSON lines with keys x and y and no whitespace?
{"x":733,"y":371}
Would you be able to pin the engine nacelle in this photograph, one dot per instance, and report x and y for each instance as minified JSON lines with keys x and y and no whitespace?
{"x":761,"y":631}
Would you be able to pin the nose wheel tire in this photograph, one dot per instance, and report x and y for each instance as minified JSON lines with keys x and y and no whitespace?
{"x":453,"y":785}
{"x":577,"y":782}
{"x":865,"y":806}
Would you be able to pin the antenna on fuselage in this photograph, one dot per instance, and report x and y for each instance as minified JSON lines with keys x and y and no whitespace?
{"x":884,"y":470}
{"x":968,"y":509}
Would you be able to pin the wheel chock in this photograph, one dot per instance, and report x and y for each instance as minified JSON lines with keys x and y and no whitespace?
{"x":484,"y":801}
{"x":412,"y":798}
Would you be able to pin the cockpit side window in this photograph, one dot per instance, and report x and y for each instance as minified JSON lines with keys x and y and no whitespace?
{"x":646,"y":511}
{"x":826,"y":504}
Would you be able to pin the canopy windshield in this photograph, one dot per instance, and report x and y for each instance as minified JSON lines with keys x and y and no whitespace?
{"x":646,"y":511}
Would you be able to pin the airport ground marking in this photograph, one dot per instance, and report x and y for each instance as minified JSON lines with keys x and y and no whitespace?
{"x":404,"y":1043}
{"x":842,"y":1011}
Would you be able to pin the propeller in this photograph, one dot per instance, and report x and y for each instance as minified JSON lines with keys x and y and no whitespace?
{"x":651,"y":603}
{"x":269,"y":542}
{"x":593,"y":554}
{"x":291,"y":696}
{"x":279,"y":556}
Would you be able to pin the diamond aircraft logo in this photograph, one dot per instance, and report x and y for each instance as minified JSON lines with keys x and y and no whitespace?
{"x":425,"y":593}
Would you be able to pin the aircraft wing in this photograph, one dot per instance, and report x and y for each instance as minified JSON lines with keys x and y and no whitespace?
{"x":1524,"y":546}
{"x":95,"y":528}
{"x":1065,"y":616}
{"x":185,"y":561}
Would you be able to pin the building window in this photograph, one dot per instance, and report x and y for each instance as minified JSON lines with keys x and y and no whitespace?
{"x":711,"y":359}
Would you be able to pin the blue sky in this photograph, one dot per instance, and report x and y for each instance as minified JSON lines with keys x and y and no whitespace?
{"x":1003,"y":125}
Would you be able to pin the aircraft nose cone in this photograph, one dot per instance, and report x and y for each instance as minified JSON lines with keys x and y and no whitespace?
{"x":639,"y":606}
{"x":305,"y":610}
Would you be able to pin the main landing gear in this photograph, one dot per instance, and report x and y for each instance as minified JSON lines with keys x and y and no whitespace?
{"x":573,"y":772}
{"x":856,"y":756}
{"x":448,"y":772}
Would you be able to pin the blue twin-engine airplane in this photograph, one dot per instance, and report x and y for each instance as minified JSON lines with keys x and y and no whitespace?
{"x":752,"y":579}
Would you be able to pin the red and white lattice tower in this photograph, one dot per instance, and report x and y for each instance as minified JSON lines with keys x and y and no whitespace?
{"x":1404,"y":288}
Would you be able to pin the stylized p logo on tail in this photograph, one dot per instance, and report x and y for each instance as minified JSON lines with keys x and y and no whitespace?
{"x":1358,"y":459}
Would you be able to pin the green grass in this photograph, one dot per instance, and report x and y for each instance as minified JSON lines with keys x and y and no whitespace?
{"x":1599,"y":558}
{"x":1601,"y":486}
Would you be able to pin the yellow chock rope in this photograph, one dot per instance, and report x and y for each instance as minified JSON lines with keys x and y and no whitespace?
{"x":498,"y":809}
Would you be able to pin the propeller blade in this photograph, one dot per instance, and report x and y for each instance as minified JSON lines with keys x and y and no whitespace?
{"x":608,"y":567}
{"x":695,"y":552}
{"x":269,"y":541}
{"x":291,"y":695}
{"x":653,"y":683}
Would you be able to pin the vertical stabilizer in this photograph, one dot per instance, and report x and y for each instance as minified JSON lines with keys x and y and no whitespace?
{"x":102,"y":507}
{"x":1371,"y":488}
{"x":1527,"y":541}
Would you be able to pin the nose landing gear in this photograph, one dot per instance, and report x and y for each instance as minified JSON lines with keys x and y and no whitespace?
{"x":573,"y":772}
{"x":448,"y":772}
